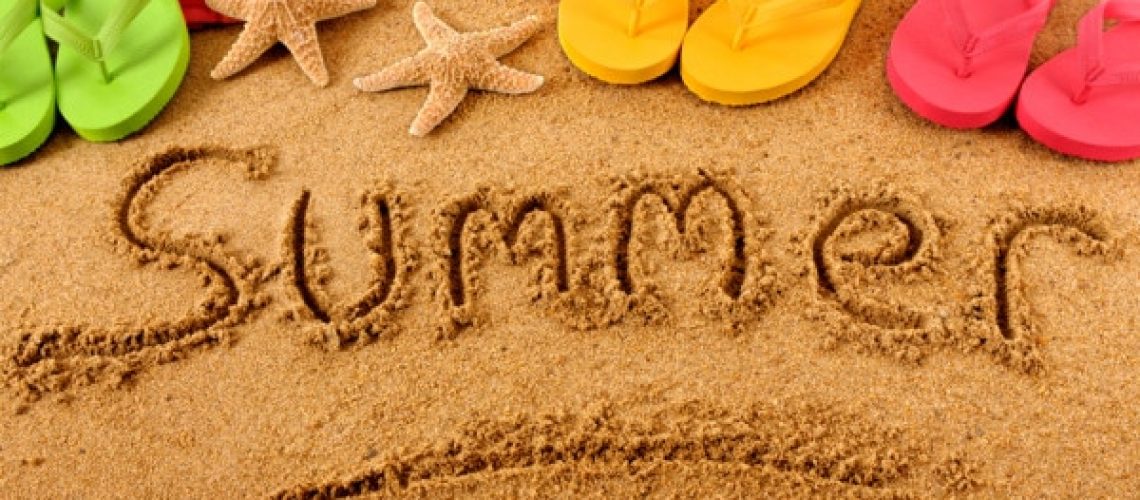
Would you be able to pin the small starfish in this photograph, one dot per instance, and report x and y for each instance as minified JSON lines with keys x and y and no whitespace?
{"x":291,"y":22}
{"x":452,"y":63}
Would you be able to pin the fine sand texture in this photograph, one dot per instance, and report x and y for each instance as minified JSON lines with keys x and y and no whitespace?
{"x":588,"y":291}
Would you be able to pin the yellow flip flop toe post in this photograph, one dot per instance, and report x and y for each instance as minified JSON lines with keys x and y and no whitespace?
{"x":622,"y":41}
{"x":742,"y":52}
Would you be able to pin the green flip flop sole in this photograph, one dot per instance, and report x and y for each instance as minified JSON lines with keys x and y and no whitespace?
{"x":143,"y":69}
{"x":27,"y":92}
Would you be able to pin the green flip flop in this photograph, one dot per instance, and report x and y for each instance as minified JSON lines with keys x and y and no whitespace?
{"x":113,"y":83}
{"x":27,"y":91}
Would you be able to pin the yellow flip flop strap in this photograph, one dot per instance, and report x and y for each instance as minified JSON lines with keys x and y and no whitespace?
{"x":756,"y":13}
{"x":636,"y":7}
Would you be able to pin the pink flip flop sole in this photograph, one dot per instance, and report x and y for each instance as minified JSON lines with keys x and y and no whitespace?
{"x":959,"y":63}
{"x":958,"y":118}
{"x":1085,"y":107}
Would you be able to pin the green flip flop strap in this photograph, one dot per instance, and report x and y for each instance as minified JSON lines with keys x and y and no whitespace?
{"x":13,"y":22}
{"x":94,"y":47}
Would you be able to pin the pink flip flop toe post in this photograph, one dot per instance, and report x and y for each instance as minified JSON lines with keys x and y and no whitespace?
{"x":1085,"y":102}
{"x":959,"y":63}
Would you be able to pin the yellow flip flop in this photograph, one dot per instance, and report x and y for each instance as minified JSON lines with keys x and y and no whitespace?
{"x":622,"y":41}
{"x":742,"y":52}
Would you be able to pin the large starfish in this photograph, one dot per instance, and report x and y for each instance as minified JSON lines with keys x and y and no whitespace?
{"x":452,"y":63}
{"x":291,"y":22}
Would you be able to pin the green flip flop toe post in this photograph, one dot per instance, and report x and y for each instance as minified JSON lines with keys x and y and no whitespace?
{"x":119,"y":62}
{"x":27,"y":91}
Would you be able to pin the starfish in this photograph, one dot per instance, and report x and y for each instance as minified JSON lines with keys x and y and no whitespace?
{"x":291,"y":22}
{"x":453,"y":63}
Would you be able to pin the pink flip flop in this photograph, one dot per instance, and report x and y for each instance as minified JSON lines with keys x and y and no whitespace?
{"x":198,"y":15}
{"x":1085,"y":102}
{"x":959,"y":63}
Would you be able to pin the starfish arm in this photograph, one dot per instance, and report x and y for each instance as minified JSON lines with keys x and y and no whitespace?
{"x":232,"y":8}
{"x":250,"y":44}
{"x":501,"y":78}
{"x":502,"y":41}
{"x":441,"y":101}
{"x":302,"y":42}
{"x":322,"y":10}
{"x":430,"y":26}
{"x":407,"y":72}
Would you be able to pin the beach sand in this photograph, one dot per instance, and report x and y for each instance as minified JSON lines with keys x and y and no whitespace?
{"x":275,"y":290}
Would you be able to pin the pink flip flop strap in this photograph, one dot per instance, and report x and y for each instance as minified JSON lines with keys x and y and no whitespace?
{"x":1090,"y":44}
{"x":974,"y":43}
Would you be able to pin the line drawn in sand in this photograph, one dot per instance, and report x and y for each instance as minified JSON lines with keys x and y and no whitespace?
{"x":523,"y":227}
{"x":47,"y":359}
{"x":747,"y":283}
{"x":999,"y":316}
{"x":601,"y":282}
{"x":383,"y":223}
{"x":785,"y":450}
{"x":844,"y":266}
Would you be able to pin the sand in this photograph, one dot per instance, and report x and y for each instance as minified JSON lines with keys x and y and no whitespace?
{"x":586,"y":291}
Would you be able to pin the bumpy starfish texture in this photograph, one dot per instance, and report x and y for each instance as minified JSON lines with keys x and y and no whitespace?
{"x":291,"y":22}
{"x":453,"y":63}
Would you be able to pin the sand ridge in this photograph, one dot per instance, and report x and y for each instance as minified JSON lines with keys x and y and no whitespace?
{"x":828,"y":451}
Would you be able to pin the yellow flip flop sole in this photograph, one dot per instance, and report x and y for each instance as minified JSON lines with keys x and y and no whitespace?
{"x":622,"y":41}
{"x":742,"y":52}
